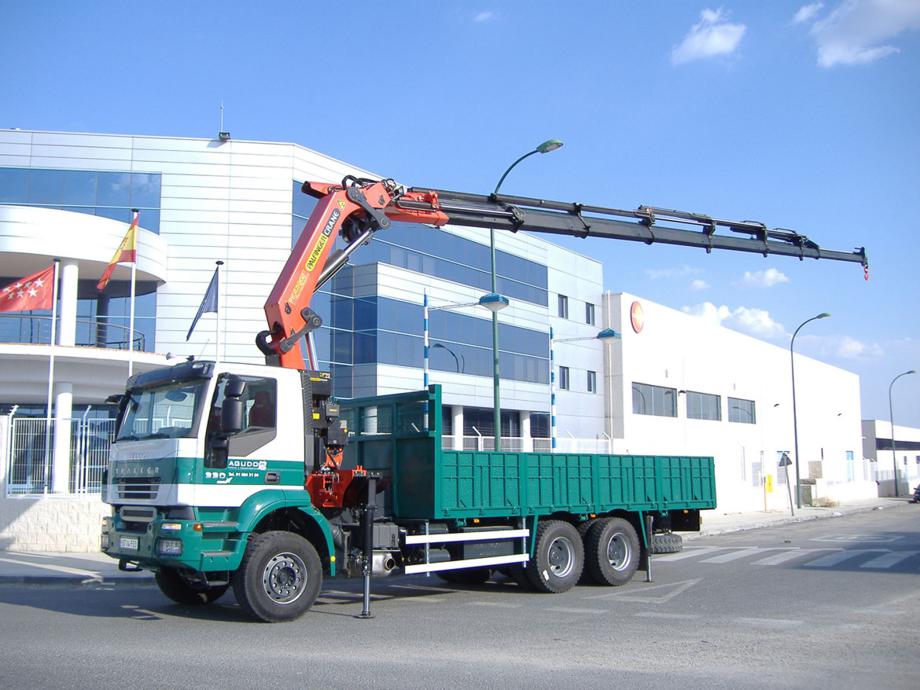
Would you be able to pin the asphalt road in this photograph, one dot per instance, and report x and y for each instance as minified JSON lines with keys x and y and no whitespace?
{"x":829,"y":603}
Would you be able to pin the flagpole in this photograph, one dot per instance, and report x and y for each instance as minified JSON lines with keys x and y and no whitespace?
{"x":133,"y":291}
{"x":54,"y":293}
{"x":217,"y":316}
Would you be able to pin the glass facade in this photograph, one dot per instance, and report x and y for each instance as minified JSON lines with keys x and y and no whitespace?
{"x":101,"y":320}
{"x":361,"y":330}
{"x":704,"y":406}
{"x":654,"y":400}
{"x":742,"y":411}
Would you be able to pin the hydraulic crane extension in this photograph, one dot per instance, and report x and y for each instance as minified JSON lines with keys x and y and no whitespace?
{"x":359,"y":207}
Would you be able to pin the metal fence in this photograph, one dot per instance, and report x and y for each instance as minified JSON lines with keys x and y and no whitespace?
{"x":30,"y":469}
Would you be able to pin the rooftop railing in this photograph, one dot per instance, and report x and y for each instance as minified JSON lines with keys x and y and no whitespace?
{"x":97,"y":332}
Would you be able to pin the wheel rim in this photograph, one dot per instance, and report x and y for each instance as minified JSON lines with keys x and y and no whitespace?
{"x":284,"y":578}
{"x":618,"y":551}
{"x":561,"y":556}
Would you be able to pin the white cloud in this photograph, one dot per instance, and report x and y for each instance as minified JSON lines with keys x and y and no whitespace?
{"x":764,"y":279}
{"x":840,"y":346}
{"x":807,"y":12}
{"x":484,"y":16}
{"x":712,"y":36}
{"x":856,"y":31}
{"x":699,"y":284}
{"x":672,"y":272}
{"x":751,"y":320}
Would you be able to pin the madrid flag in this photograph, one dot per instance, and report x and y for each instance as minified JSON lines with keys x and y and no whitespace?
{"x":32,"y":292}
{"x":126,"y":253}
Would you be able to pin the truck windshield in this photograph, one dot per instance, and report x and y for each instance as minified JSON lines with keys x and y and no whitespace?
{"x":167,"y":411}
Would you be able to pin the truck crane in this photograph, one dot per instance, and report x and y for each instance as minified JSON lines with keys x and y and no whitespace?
{"x":255,"y":477}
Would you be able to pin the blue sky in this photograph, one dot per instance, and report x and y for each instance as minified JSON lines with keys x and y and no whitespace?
{"x":801,"y":115}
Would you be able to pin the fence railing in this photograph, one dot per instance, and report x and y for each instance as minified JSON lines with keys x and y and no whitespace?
{"x":31,"y":463}
{"x":98,"y":332}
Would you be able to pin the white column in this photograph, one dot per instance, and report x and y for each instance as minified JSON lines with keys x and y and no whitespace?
{"x":63,"y":409}
{"x":70,"y":275}
{"x":456,"y":416}
{"x":526,"y":437}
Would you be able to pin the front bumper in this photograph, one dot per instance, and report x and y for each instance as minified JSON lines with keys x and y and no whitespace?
{"x":202,"y":547}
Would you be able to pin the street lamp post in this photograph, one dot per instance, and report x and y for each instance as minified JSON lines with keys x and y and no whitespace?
{"x":545,"y":147}
{"x":795,"y":421}
{"x":894,"y":452}
{"x":603,"y":336}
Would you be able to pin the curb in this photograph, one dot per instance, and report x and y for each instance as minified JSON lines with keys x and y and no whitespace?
{"x":781,"y":521}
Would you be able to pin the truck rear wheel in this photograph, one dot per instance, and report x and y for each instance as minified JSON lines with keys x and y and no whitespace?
{"x":181,"y":591}
{"x":667,"y":543}
{"x":612,"y":551}
{"x":279,"y":578}
{"x":558,"y":559}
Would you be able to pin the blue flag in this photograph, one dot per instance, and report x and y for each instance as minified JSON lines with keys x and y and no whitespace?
{"x":208,"y":304}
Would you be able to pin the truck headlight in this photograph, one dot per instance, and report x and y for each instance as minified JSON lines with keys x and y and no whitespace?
{"x":169,"y":547}
{"x":171,"y":526}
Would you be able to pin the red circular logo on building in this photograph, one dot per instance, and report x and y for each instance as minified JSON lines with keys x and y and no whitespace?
{"x":636,"y":317}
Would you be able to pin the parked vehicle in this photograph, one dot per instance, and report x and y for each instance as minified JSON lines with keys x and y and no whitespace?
{"x":254,"y":477}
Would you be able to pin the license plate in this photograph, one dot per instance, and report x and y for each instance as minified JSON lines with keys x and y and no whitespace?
{"x":129,"y":543}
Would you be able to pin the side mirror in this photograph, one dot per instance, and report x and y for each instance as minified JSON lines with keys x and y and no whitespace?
{"x":231,"y":416}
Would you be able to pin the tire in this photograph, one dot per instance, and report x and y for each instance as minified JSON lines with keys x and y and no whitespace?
{"x":667,"y":543}
{"x":177,"y":588}
{"x":612,"y":552}
{"x":518,"y":573}
{"x":583,"y":529}
{"x":558,"y":559}
{"x":279,"y":578}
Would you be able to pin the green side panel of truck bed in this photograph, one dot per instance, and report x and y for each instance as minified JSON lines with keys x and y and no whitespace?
{"x":400,"y":437}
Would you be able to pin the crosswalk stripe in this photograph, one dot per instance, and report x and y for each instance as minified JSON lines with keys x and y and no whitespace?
{"x":889,"y":559}
{"x":781,"y":557}
{"x":735,"y":555}
{"x":833,"y":559}
{"x":688,"y":553}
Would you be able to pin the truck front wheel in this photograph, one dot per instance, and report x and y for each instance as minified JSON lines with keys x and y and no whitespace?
{"x":181,"y":591}
{"x":279,"y":578}
{"x":558,"y":557}
{"x":612,"y":549}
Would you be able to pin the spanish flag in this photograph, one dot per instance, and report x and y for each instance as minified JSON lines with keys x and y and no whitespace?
{"x":126,"y":253}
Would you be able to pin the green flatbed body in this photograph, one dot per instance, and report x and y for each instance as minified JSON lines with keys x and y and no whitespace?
{"x":400,"y":437}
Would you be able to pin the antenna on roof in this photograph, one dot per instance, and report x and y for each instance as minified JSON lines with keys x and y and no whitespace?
{"x":222,"y":134}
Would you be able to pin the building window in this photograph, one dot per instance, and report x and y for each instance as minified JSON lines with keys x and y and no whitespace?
{"x":564,"y":378}
{"x":563,"y":307}
{"x":704,"y":406}
{"x":742,"y":411}
{"x":654,"y":400}
{"x":589,"y":313}
{"x":592,"y":382}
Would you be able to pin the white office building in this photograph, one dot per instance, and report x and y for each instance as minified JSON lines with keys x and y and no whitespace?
{"x":672,"y":384}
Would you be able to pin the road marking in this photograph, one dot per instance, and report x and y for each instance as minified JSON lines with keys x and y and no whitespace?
{"x":889,"y":559}
{"x":565,"y":609}
{"x":769,"y":622}
{"x":740,"y":553}
{"x":667,"y":616}
{"x":687,"y":553}
{"x":495,"y":604}
{"x":781,"y":557}
{"x":638,"y":593}
{"x":88,"y":574}
{"x":833,"y":559}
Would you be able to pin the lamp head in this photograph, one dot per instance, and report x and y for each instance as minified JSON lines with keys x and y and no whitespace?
{"x":607,"y":334}
{"x":493,"y":302}
{"x":549,"y":145}
{"x":822,"y":315}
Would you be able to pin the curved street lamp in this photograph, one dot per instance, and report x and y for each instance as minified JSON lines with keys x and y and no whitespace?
{"x":545,"y":147}
{"x":604,"y":335}
{"x":894,"y":452}
{"x":795,"y":422}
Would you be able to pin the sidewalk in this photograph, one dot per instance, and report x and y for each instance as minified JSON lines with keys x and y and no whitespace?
{"x":88,"y":568}
{"x":715,"y":523}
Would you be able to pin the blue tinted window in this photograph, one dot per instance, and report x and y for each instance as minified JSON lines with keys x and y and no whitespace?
{"x":45,"y":186}
{"x":114,"y":189}
{"x":79,"y":188}
{"x":14,"y":185}
{"x":145,"y":190}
